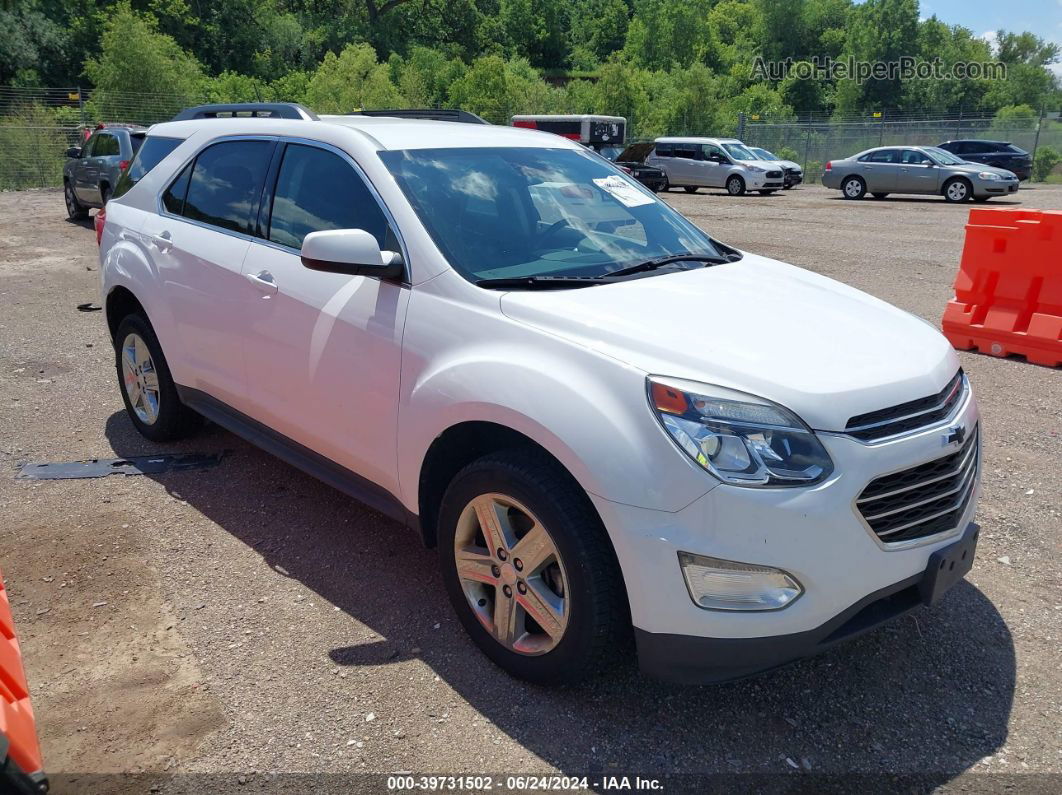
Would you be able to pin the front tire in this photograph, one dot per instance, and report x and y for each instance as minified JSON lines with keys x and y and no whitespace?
{"x":957,"y":190}
{"x":148,"y":390}
{"x":690,"y":188}
{"x":735,"y":186}
{"x":981,"y":199}
{"x":74,"y":209}
{"x":530,"y":569}
{"x":853,"y":188}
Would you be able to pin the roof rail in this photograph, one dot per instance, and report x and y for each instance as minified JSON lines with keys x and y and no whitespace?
{"x":434,"y":114}
{"x":273,"y":110}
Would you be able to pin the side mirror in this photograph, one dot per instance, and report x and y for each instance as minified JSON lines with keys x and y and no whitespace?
{"x":351,"y":251}
{"x":930,"y":164}
{"x":74,"y":151}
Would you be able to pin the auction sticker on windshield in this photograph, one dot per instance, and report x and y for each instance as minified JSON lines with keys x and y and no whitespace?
{"x":622,"y":191}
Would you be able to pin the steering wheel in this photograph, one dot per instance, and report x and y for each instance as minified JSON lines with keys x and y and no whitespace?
{"x":553,"y":228}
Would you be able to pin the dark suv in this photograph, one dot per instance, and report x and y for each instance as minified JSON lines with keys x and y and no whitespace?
{"x":1001,"y":154}
{"x":91,"y":171}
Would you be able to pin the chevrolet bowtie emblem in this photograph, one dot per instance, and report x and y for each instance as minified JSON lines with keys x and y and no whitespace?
{"x":955,"y":435}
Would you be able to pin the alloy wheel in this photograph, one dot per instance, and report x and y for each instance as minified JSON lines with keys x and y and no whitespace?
{"x":139,"y":378}
{"x":512,"y":574}
{"x":957,"y":191}
{"x":852,"y":188}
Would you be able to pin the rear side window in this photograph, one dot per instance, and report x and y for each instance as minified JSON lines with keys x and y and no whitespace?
{"x":173,"y":198}
{"x":150,"y":151}
{"x":881,"y":156}
{"x":316,"y":190}
{"x":664,"y":150}
{"x":226,"y":184}
{"x":105,"y":146}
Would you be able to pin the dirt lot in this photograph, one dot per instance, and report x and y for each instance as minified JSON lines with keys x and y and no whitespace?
{"x":248,"y":619}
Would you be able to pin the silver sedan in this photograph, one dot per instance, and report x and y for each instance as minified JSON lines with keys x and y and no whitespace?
{"x":916,"y":169}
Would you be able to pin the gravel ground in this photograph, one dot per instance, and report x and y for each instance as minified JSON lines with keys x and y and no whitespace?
{"x":249,"y":619}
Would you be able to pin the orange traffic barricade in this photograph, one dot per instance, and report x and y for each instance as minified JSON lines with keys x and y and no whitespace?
{"x":20,"y":753}
{"x":1008,"y":291}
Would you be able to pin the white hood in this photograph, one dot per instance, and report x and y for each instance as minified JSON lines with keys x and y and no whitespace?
{"x":819,"y":347}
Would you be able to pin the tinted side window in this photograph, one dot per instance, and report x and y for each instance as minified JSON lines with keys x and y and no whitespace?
{"x":1014,"y":150}
{"x":688,"y":151}
{"x":150,"y":153}
{"x":86,"y":150}
{"x":105,"y":145}
{"x":226,"y":184}
{"x":882,"y":156}
{"x":664,"y":150}
{"x":316,"y":190}
{"x":173,"y":198}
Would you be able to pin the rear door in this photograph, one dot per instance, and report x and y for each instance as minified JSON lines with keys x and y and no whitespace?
{"x":880,"y":170}
{"x":324,"y":350}
{"x":198,"y":242}
{"x":918,"y":173}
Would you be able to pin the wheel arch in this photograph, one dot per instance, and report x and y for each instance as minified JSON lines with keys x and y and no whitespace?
{"x":457,"y":447}
{"x":121,"y":302}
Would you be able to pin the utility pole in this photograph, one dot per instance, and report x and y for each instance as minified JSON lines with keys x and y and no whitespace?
{"x":741,"y":126}
{"x":1039,"y":124}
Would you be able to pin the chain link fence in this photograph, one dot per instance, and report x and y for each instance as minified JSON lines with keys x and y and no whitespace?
{"x":815,"y":141}
{"x":38,"y":124}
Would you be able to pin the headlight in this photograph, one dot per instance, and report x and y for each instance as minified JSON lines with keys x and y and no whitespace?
{"x":756,"y":169}
{"x":742,"y":439}
{"x":989,"y":175}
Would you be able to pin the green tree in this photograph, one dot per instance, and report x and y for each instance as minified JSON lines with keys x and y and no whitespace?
{"x":135,"y":58}
{"x":598,"y":28}
{"x":1044,"y":162}
{"x":352,"y":80}
{"x":878,"y":30}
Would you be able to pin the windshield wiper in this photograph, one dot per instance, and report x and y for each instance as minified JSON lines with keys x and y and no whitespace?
{"x":541,"y":282}
{"x":660,"y":262}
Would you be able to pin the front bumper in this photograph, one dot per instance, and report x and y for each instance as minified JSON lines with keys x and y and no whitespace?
{"x":793,"y":179}
{"x":984,"y":187}
{"x":815,"y":534}
{"x":688,"y":659}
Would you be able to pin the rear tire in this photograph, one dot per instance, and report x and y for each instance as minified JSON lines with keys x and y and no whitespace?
{"x":766,"y":192}
{"x":74,"y":209}
{"x":666,"y":186}
{"x":853,"y":188}
{"x":148,"y":390}
{"x":735,"y":186}
{"x":577,"y":575}
{"x":690,"y":188}
{"x":880,"y":195}
{"x":105,"y":194}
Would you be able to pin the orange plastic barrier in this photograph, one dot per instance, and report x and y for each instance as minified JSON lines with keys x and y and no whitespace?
{"x":16,"y":715}
{"x":1008,"y":291}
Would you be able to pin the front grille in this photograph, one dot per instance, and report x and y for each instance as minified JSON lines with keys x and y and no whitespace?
{"x":791,"y":170}
{"x":924,"y":500}
{"x":772,"y":174}
{"x":908,"y":416}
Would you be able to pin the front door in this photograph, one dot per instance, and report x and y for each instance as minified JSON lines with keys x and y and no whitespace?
{"x":918,"y":173}
{"x":323,"y":353}
{"x":87,"y":171}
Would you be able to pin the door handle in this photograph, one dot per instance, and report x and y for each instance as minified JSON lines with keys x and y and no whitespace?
{"x":264,"y":281}
{"x":163,"y":241}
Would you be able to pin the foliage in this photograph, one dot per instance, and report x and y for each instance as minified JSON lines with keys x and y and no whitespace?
{"x":1046,"y":159}
{"x":136,"y":58}
{"x":668,"y":65}
{"x":33,"y":146}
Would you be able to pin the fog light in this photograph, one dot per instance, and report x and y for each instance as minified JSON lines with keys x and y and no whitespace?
{"x":716,"y":584}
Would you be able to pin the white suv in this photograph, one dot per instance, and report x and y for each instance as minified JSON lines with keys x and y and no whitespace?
{"x":693,"y":163}
{"x":610,"y":424}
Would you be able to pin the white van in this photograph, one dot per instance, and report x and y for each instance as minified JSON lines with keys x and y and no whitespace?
{"x":693,"y":163}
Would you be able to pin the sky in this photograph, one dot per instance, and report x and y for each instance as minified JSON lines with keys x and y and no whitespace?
{"x":984,"y":17}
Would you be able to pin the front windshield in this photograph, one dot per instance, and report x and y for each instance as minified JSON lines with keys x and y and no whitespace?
{"x":610,"y":152}
{"x":514,"y":212}
{"x":943,"y":156}
{"x":763,"y":153}
{"x":739,"y":152}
